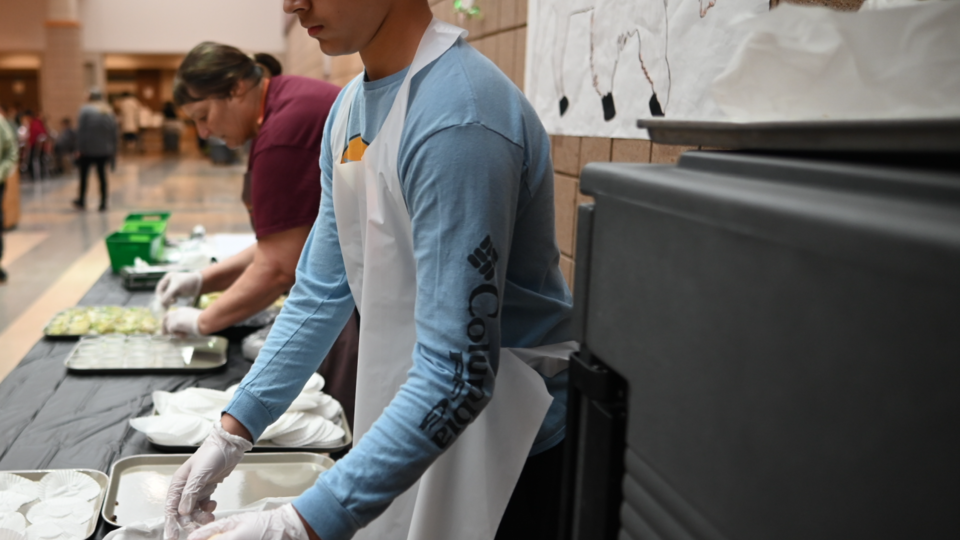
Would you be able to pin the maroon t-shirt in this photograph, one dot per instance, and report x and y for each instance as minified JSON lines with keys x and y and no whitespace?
{"x":282,"y":185}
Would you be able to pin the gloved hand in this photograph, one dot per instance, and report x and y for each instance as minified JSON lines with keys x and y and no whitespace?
{"x":278,"y":524}
{"x":188,"y":498}
{"x":175,"y":285}
{"x":182,"y":322}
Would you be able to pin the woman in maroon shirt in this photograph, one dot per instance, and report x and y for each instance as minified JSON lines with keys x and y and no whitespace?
{"x":231,"y":96}
{"x":36,"y":141}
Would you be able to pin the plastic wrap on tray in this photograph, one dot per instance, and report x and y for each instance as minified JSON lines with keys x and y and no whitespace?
{"x":100,"y":320}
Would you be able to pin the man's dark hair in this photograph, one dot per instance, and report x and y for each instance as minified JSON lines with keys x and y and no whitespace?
{"x":212,"y":70}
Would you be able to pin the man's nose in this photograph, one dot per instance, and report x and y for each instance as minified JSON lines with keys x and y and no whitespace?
{"x":292,"y":6}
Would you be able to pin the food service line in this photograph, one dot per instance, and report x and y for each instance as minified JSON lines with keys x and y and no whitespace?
{"x":53,"y":420}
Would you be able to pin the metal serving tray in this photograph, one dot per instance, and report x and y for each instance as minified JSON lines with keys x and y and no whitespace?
{"x":897,"y":135}
{"x":141,"y":279}
{"x":98,"y":477}
{"x":267,"y":446}
{"x":138,"y":484}
{"x":201,"y":355}
{"x":48,"y":335}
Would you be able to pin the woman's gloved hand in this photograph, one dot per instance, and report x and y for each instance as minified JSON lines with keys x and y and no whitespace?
{"x":279,"y":524}
{"x":188,"y":498}
{"x":183,"y":322}
{"x":175,"y":285}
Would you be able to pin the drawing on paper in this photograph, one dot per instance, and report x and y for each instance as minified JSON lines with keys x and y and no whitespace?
{"x":595,"y":66}
{"x":706,"y":5}
{"x":613,"y":24}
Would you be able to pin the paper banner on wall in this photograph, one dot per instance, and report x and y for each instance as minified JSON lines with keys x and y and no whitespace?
{"x":596,"y":66}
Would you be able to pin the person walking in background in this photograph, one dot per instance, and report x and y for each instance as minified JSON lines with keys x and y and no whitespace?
{"x":37,"y":136}
{"x":130,"y":120}
{"x":9,"y":160}
{"x":14,"y":114}
{"x":65,"y":147}
{"x":96,"y":145}
{"x":172,"y":128}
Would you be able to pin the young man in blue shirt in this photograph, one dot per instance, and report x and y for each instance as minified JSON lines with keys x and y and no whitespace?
{"x":440,"y":216}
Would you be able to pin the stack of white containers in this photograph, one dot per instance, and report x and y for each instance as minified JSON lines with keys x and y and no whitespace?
{"x":58,"y":507}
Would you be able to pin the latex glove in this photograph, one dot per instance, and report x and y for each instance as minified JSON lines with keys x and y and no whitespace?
{"x":278,"y":524}
{"x":182,"y":322}
{"x":175,"y":285}
{"x":188,"y":498}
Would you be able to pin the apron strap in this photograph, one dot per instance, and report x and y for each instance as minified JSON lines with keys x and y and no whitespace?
{"x":338,"y":133}
{"x":438,"y":38}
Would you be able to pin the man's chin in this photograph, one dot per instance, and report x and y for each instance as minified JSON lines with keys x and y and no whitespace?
{"x":331,"y":48}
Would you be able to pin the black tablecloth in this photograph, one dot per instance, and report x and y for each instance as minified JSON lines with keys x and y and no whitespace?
{"x":53,"y":420}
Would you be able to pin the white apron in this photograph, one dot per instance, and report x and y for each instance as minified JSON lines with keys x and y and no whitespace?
{"x":463,"y":495}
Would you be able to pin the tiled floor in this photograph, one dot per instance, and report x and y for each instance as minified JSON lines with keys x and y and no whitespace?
{"x":56,"y":252}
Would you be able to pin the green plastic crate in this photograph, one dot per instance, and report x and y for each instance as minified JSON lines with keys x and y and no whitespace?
{"x":124,"y":247}
{"x":148,"y":216}
{"x":146,"y":227}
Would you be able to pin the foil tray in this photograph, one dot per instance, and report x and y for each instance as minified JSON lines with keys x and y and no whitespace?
{"x":206,"y":354}
{"x":99,"y":477}
{"x":138,"y":485}
{"x":71,"y":337}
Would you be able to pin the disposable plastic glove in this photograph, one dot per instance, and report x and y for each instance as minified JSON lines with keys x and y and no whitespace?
{"x":183,"y":322}
{"x":175,"y":285}
{"x":278,"y":524}
{"x":188,"y":498}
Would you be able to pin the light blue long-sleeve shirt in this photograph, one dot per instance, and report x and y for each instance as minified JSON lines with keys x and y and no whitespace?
{"x":477,"y":179}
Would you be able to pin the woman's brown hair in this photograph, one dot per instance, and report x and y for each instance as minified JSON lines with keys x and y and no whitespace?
{"x":212,"y":70}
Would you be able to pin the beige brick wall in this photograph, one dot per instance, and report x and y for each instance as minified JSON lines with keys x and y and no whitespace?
{"x":21,"y":25}
{"x":61,"y":75}
{"x":500,"y":34}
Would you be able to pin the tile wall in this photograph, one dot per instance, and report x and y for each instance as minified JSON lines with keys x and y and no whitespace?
{"x":61,"y":75}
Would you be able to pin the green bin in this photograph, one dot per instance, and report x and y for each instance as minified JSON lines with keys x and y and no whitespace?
{"x":146,"y":227}
{"x":148,"y":216}
{"x":124,"y":247}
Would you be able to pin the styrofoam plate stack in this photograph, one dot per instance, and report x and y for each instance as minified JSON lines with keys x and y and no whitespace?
{"x":60,"y":506}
